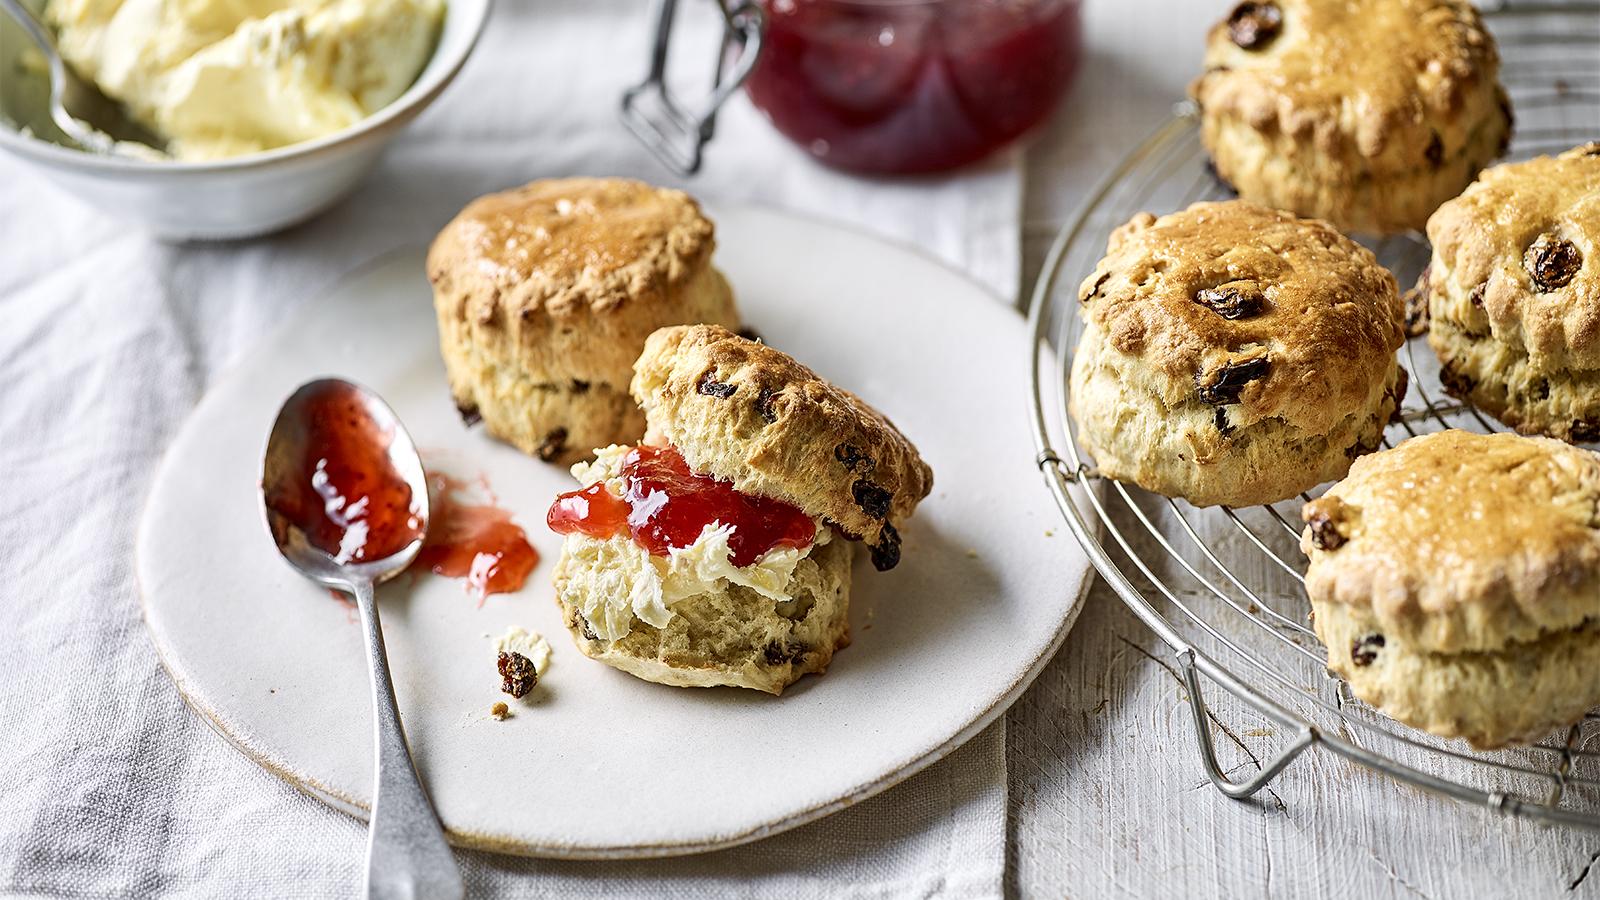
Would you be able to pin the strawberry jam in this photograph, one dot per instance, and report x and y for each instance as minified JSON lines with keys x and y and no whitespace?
{"x":347,"y":496}
{"x":478,"y":542}
{"x":664,"y":505}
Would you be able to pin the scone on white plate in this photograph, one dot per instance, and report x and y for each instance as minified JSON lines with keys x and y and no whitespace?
{"x":1455,"y":581}
{"x":545,"y":295}
{"x":1233,"y":354}
{"x":718,"y":552}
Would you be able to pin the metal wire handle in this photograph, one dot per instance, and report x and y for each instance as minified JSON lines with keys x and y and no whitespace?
{"x":675,"y":132}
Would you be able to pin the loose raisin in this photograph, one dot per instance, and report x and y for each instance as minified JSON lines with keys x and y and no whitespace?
{"x":1225,"y":383}
{"x":1364,"y":649}
{"x":1254,"y":25}
{"x":469,"y":413}
{"x":517,"y":673}
{"x":1552,"y":261}
{"x":1234,"y":300}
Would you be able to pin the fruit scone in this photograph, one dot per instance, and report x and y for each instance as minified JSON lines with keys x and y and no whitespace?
{"x":718,"y":551}
{"x":1455,"y":581}
{"x":1233,"y":354}
{"x":545,"y":295}
{"x":1367,"y":113}
{"x":1513,"y":294}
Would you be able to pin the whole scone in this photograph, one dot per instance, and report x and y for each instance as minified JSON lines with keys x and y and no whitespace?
{"x":545,"y":295}
{"x":1367,"y":113}
{"x":1455,"y":581}
{"x":1513,"y":294}
{"x":1235,"y":355}
{"x":744,"y":444}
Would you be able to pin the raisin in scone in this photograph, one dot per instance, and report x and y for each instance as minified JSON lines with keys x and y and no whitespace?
{"x":1234,"y":354}
{"x":1456,"y":583}
{"x":1367,"y":113}
{"x":1513,"y":294}
{"x":718,"y":551}
{"x":545,"y":295}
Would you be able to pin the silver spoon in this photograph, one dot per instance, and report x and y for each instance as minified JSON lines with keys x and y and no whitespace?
{"x":92,"y":120}
{"x":407,"y":855}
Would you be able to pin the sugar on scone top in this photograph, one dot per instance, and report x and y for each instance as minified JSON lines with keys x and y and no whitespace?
{"x":545,"y":295}
{"x":718,"y":550}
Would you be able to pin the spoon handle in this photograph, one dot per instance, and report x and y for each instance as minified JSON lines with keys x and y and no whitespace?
{"x":407,"y":856}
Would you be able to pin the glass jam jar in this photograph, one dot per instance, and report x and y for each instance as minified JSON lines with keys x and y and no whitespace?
{"x":912,"y":86}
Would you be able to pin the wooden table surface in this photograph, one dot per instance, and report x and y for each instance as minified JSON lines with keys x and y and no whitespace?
{"x":1108,"y":797}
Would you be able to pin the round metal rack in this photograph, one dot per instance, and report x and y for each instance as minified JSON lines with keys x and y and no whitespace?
{"x":1224,"y":587}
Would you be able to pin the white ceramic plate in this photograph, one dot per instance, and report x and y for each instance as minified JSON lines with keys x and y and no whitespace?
{"x":601,"y":764}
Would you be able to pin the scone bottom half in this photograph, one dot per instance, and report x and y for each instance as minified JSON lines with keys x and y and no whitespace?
{"x":681,"y":575}
{"x":1455,"y":581}
{"x":1234,"y":355}
{"x":545,"y":295}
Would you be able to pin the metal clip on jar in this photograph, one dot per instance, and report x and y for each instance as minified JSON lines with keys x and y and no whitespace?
{"x":876,"y":86}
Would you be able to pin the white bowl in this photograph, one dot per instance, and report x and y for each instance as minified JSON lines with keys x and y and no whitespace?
{"x":246,"y":195}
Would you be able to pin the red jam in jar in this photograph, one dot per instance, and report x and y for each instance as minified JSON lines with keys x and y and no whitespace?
{"x":347,"y":498}
{"x":665,"y":505}
{"x":478,"y":542}
{"x":909,"y":86}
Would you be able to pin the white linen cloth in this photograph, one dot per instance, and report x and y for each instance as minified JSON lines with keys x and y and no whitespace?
{"x":112,"y":787}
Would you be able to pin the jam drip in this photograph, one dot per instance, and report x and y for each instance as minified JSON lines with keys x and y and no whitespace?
{"x":348,"y":498}
{"x":478,"y":542}
{"x":665,"y":505}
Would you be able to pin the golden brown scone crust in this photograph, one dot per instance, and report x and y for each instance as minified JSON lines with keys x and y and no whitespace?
{"x":545,"y":295}
{"x":1514,"y":293}
{"x":1368,"y":113}
{"x":746,"y":413}
{"x":1172,"y":393}
{"x":1474,"y":560}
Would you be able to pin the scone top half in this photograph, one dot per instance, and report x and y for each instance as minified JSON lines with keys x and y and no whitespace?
{"x":1368,"y":113}
{"x":741,"y":411}
{"x":1514,"y":293}
{"x":1456,"y":542}
{"x":1234,"y":354}
{"x":545,"y":295}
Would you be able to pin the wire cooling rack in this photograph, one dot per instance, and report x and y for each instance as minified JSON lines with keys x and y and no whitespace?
{"x":1224,"y":588}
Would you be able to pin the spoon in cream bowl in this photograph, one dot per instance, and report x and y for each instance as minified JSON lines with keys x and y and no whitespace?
{"x":346,"y":502}
{"x":78,"y":107}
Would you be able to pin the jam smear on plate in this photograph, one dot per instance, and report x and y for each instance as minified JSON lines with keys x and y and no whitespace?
{"x":478,"y":542}
{"x":665,"y":505}
{"x":349,"y":499}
